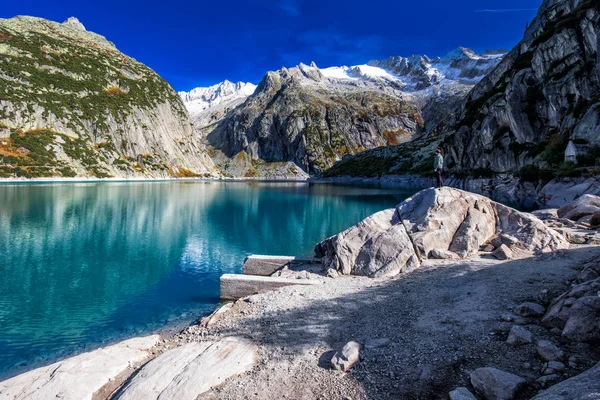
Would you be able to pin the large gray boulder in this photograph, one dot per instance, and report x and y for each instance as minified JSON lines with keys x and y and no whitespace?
{"x":377,"y":246}
{"x":494,"y":384}
{"x":446,"y":219}
{"x":577,"y":312}
{"x":585,"y":386}
{"x":586,"y":205}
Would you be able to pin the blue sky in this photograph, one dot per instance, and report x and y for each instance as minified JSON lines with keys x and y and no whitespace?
{"x":200,"y":43}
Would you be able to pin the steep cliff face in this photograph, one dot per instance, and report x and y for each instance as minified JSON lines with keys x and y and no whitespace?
{"x":545,"y":92}
{"x":72,"y":105}
{"x":313,"y":117}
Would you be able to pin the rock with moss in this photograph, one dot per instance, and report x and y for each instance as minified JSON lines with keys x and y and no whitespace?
{"x":80,"y":107}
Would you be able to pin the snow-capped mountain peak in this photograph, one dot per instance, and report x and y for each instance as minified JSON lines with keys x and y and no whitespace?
{"x":205,"y":102}
{"x":218,"y":93}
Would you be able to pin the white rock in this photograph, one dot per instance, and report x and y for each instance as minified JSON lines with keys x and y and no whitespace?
{"x":519,"y":335}
{"x":442,"y":254}
{"x":395,"y":241}
{"x":347,"y":358}
{"x":79,"y":377}
{"x":186,"y":371}
{"x":583,"y":386}
{"x":494,"y":384}
{"x":553,"y":367}
{"x":547,"y":380}
{"x":529,"y":309}
{"x":549,"y":351}
{"x":461,"y":393}
{"x":585,"y":205}
{"x":503,"y":253}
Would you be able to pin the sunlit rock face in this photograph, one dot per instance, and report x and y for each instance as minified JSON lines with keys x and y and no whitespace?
{"x":545,"y":92}
{"x":72,"y":105}
{"x":442,"y":221}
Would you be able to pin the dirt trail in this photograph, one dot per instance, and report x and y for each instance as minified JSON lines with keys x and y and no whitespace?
{"x":442,"y":321}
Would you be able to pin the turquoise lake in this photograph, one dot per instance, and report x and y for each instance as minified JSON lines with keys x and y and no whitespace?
{"x":84,"y":264}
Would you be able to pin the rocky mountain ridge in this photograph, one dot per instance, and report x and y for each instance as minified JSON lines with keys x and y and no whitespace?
{"x":309,"y":117}
{"x":72,"y":105}
{"x":208,"y":105}
{"x":516,"y":123}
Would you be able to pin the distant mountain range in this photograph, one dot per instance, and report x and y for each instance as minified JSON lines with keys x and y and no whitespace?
{"x":72,"y":105}
{"x":310,"y":117}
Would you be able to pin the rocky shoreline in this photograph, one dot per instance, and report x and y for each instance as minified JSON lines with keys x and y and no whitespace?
{"x":476,"y":301}
{"x":504,"y":188}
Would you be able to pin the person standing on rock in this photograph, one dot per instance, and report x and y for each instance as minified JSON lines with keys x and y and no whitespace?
{"x":438,"y":167}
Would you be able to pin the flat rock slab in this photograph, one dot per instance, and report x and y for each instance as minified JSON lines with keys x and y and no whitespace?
{"x":187,"y":371}
{"x":583,"y":386}
{"x":235,"y":287}
{"x":78,"y":377}
{"x":267,"y":265}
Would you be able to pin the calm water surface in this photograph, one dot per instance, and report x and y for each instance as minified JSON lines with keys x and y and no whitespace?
{"x":82,"y":264}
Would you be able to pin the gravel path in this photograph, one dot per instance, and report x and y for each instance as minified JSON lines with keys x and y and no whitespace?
{"x":442,"y":321}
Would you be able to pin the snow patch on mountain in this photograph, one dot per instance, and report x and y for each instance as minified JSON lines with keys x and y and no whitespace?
{"x":207,"y":105}
{"x":202,"y":98}
{"x":416,"y":73}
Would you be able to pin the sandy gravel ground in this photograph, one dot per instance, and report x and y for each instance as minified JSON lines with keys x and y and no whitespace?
{"x":442,"y":321}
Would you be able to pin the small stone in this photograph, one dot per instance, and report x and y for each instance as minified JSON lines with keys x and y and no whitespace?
{"x":529,"y":309}
{"x":508,"y":240}
{"x":503,"y":253}
{"x":519,"y":335}
{"x":493,"y":383}
{"x":489,"y":248}
{"x":496,"y":242}
{"x":461,"y":393}
{"x":594,"y":240}
{"x":547,"y":380}
{"x":439,"y":254}
{"x":553,"y":367}
{"x":576,"y":238}
{"x":375,"y":343}
{"x":527,"y":365}
{"x":507,"y":317}
{"x":575,"y":362}
{"x":332,"y":273}
{"x":549,"y":351}
{"x":346,"y":358}
{"x":556,"y":331}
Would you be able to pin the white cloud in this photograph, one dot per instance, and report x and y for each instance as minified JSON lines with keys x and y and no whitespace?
{"x":506,"y":10}
{"x":290,"y":7}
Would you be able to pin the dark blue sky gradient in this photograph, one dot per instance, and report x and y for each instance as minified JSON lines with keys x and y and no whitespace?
{"x":200,"y":43}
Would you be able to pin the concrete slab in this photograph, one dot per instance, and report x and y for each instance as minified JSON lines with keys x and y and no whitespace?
{"x":266,"y":265}
{"x":234,"y":286}
{"x":79,"y":377}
